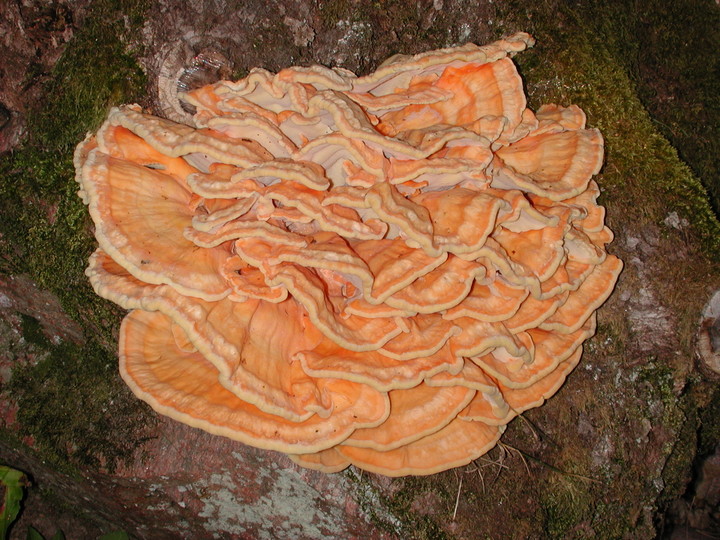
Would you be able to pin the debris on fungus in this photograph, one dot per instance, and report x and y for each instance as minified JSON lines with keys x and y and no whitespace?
{"x":380,"y":271}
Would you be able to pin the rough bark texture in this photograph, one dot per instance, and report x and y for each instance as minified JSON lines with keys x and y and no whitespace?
{"x":628,"y":447}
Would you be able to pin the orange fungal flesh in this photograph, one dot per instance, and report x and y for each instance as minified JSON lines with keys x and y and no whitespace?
{"x":377,"y":271}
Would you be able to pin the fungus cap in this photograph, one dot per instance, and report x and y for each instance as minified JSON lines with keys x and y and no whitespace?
{"x":379,"y":271}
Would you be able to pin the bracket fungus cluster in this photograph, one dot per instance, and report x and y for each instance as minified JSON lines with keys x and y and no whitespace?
{"x":380,"y":271}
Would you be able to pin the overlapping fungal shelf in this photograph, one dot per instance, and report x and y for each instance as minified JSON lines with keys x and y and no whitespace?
{"x":380,"y":271}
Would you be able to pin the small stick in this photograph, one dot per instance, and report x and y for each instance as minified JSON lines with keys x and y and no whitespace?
{"x":457,"y":499}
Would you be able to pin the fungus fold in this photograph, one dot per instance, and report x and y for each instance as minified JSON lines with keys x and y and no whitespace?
{"x":380,"y":271}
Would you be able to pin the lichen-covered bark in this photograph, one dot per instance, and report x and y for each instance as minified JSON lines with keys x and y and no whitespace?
{"x":604,"y":458}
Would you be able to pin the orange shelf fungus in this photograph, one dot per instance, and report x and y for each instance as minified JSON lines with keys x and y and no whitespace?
{"x":378,"y":271}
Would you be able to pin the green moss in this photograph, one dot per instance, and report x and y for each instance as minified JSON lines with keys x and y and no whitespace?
{"x":610,"y":340}
{"x":334,"y":11}
{"x":675,"y":61}
{"x":564,"y":504}
{"x":677,"y":471}
{"x":679,"y":423}
{"x":75,"y":408}
{"x":566,"y":493}
{"x":611,"y":520}
{"x":710,"y":423}
{"x":72,"y":402}
{"x":97,"y":70}
{"x":32,"y":331}
{"x":43,"y":219}
{"x":394,"y":514}
{"x":580,"y":58}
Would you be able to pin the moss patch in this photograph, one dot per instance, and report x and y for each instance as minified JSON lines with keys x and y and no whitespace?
{"x":677,"y":69}
{"x":72,"y":402}
{"x":581,"y":58}
{"x":74,"y":406}
{"x":43,"y":219}
{"x":32,"y":331}
{"x":399,"y":513}
{"x":709,"y":431}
